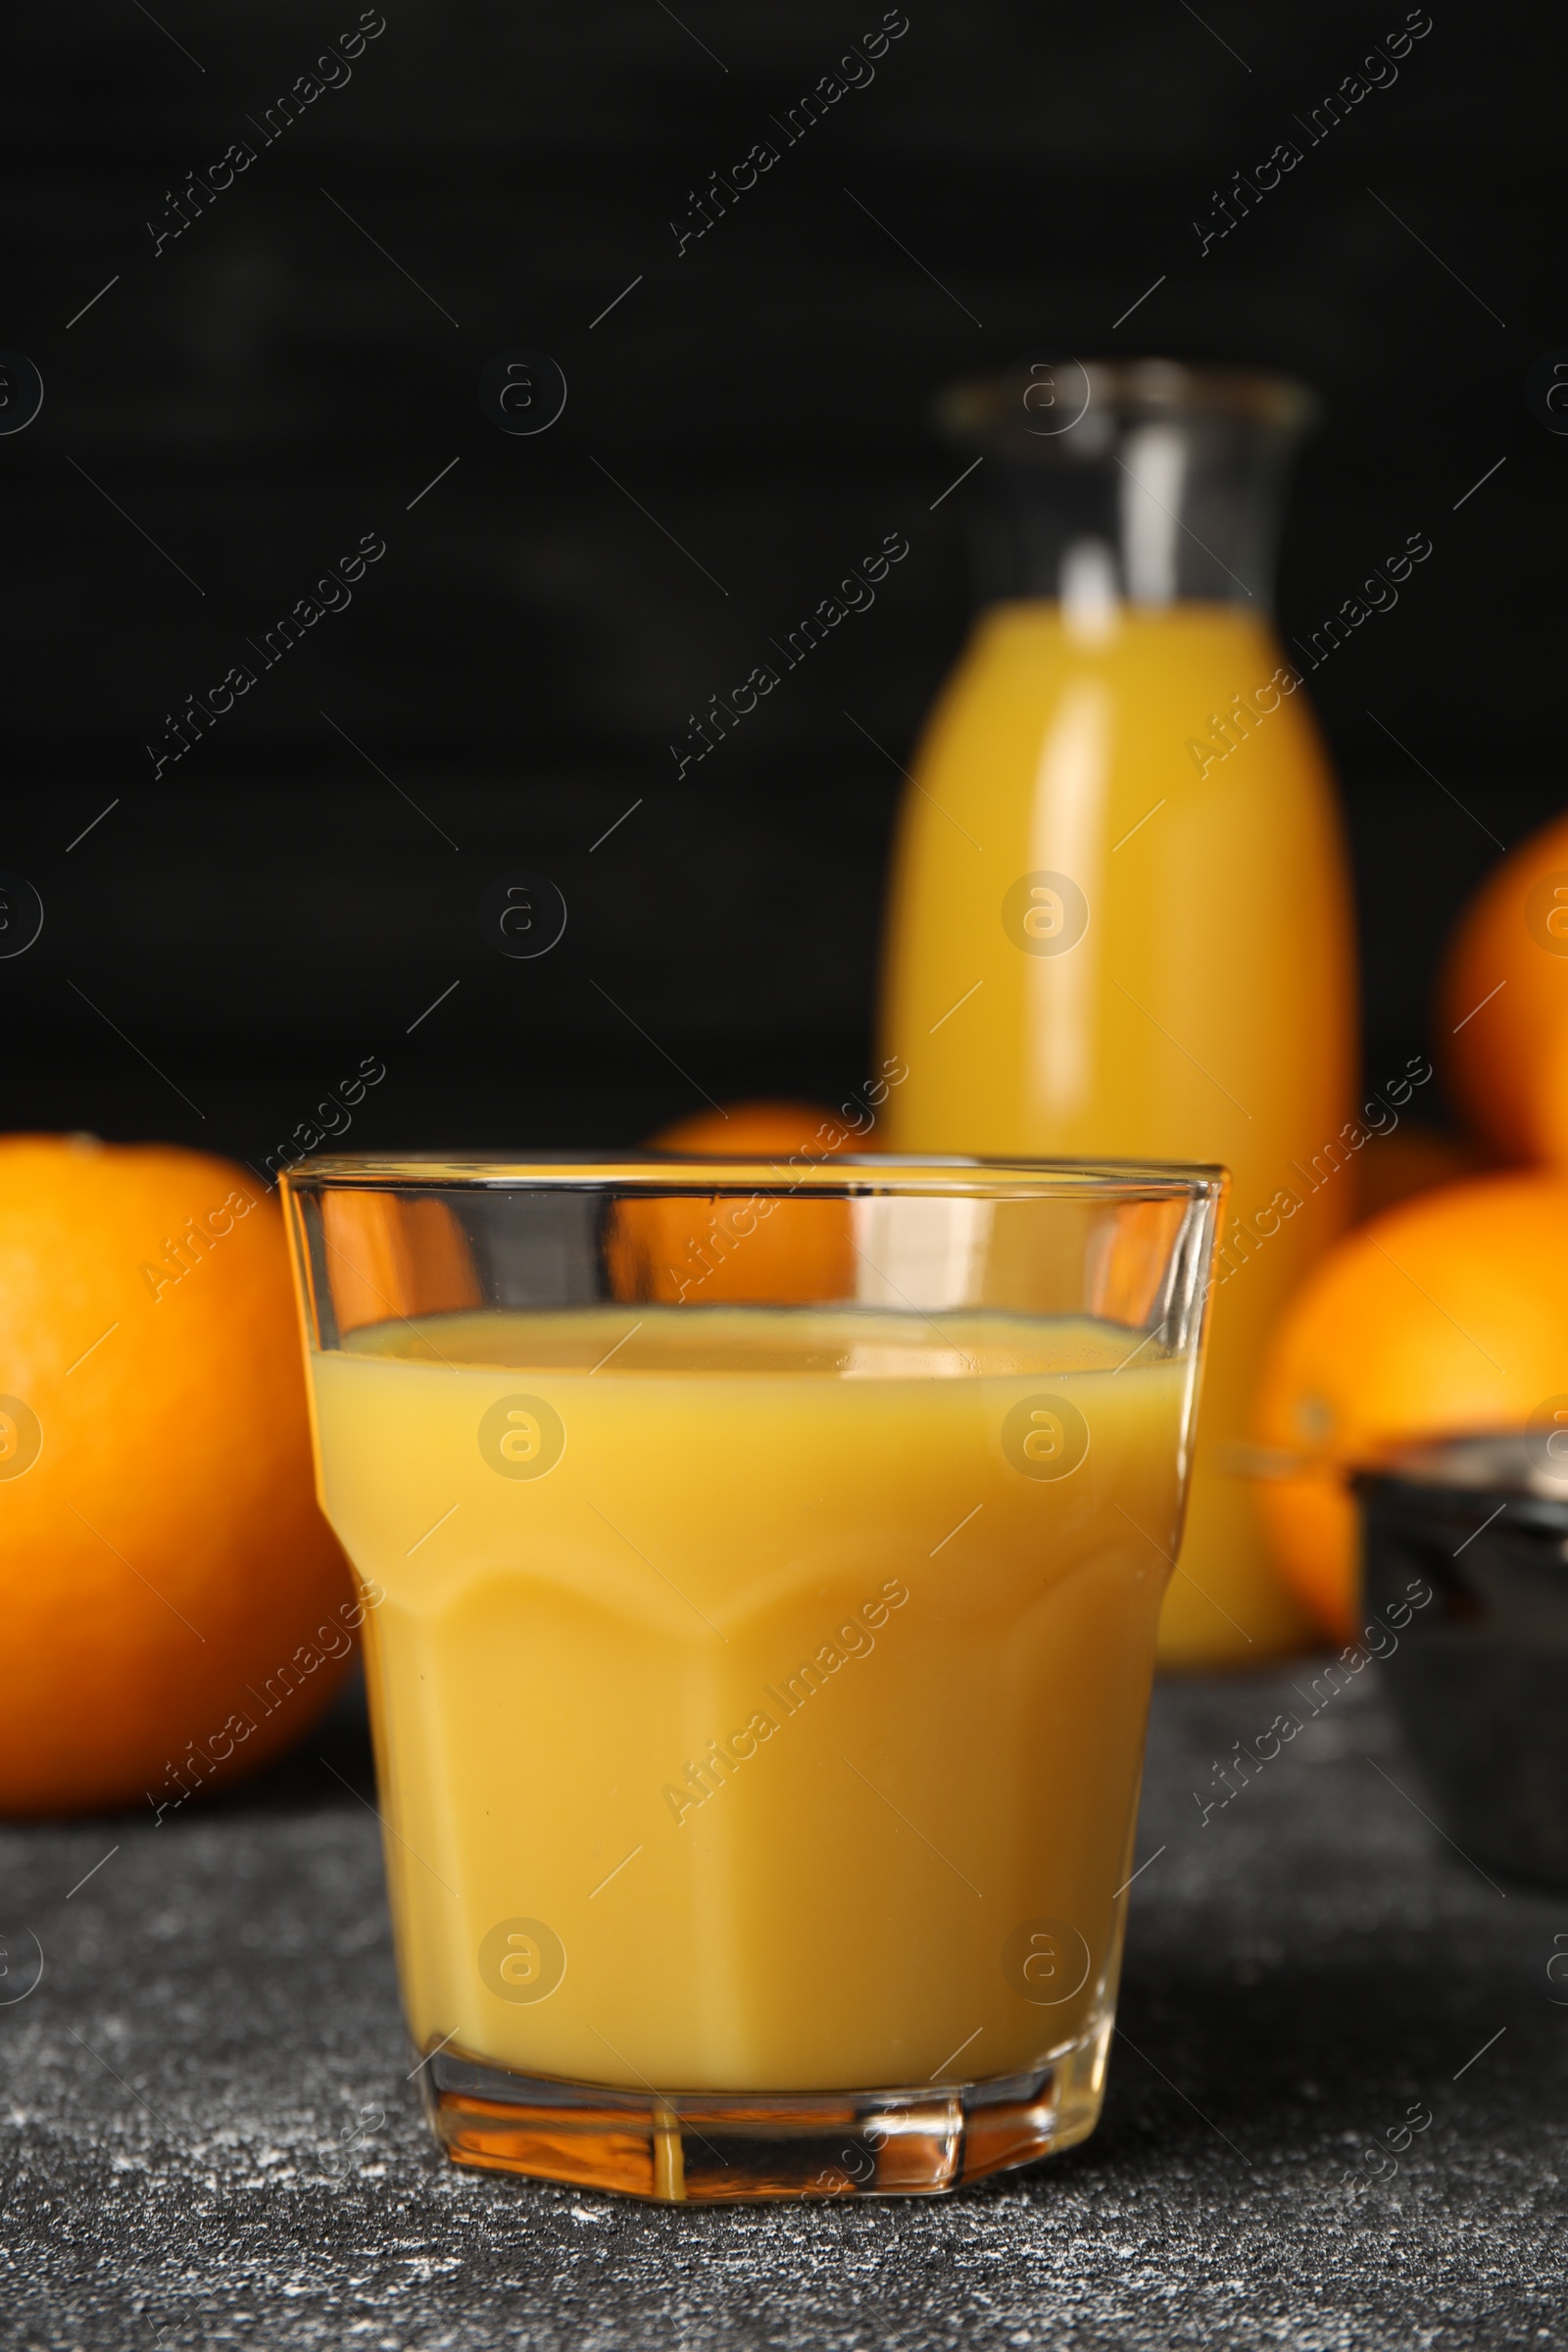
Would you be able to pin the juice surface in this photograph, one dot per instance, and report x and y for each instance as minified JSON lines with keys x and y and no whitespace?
{"x":1196,"y":1004}
{"x":763,"y":1709}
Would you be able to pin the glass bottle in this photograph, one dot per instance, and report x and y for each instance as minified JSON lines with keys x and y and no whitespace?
{"x":1119,"y":920}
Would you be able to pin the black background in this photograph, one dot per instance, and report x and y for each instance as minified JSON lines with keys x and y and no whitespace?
{"x":272,"y":386}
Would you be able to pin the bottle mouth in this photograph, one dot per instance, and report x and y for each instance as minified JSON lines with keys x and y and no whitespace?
{"x":1049,"y":408}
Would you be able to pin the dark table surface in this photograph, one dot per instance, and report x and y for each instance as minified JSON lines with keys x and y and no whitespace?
{"x":209,"y":2135}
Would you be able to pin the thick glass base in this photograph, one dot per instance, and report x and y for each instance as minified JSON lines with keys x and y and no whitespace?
{"x":710,"y":2147}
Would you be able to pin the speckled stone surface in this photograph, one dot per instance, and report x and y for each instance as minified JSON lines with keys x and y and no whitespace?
{"x":209,"y":2135}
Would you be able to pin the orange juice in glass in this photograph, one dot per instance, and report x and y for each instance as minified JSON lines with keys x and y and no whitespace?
{"x":1119,"y":918}
{"x":759,"y":1687}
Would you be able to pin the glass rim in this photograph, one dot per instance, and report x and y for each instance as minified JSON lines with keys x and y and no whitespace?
{"x":903,"y":1175}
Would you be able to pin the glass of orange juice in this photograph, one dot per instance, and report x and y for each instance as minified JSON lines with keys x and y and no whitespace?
{"x":758,"y":1668}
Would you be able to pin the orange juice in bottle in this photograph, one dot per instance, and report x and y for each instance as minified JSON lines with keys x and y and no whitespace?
{"x":1119,"y":920}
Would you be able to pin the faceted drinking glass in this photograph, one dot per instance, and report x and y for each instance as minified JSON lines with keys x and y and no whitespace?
{"x":762,"y":1566}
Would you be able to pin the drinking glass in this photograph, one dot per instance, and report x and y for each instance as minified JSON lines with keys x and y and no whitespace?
{"x":761,"y":1566}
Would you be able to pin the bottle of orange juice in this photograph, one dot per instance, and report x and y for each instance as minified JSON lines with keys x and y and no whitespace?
{"x":1119,"y":922}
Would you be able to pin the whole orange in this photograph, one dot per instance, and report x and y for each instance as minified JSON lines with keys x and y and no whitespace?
{"x":726,"y":1250}
{"x":1445,"y":1314}
{"x":1503,"y":1001}
{"x":763,"y":1130}
{"x":1411,"y":1158}
{"x":176,"y":1609}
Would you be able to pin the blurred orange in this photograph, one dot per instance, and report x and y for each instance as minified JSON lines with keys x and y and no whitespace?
{"x":711,"y":1250}
{"x":1503,"y":1001}
{"x":176,"y":1609}
{"x":761,"y":1130}
{"x":1448,"y":1314}
{"x":1408,"y":1160}
{"x":387,"y":1254}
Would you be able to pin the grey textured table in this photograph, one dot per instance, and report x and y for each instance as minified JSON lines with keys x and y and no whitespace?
{"x":192,"y":2154}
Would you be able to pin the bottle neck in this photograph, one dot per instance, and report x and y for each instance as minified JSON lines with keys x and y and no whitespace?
{"x":1178,"y":510}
